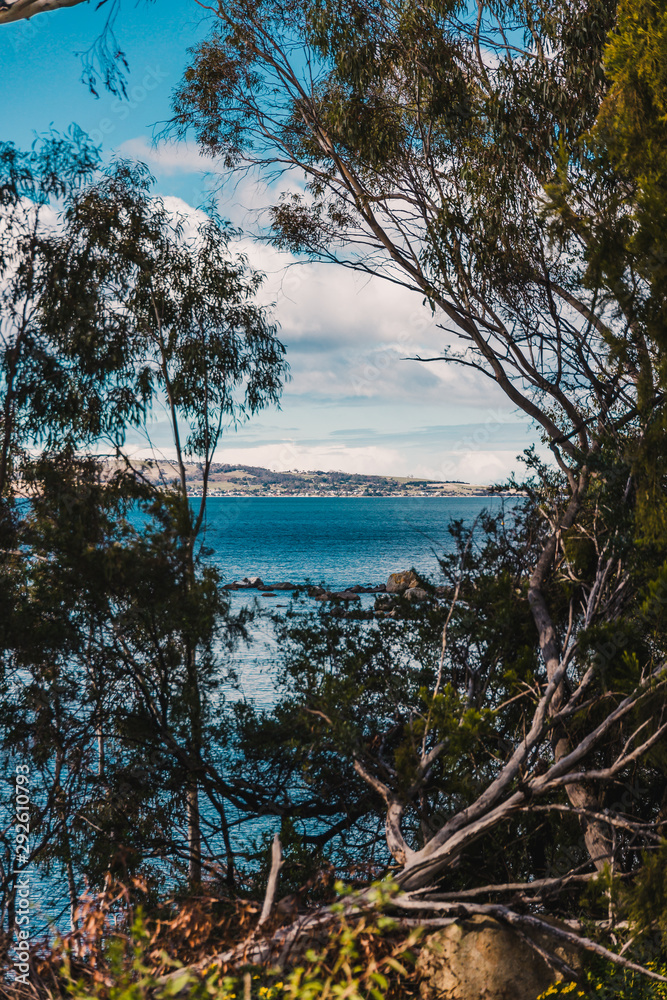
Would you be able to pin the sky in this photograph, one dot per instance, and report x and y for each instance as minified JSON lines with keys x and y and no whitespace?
{"x":354,"y":402}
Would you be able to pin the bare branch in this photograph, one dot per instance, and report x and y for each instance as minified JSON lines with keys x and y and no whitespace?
{"x":272,"y":884}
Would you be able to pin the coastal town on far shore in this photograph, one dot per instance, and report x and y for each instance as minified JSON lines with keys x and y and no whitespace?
{"x":253,"y":481}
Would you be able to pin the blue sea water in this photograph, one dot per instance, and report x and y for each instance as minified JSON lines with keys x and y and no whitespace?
{"x":341,"y":541}
{"x":336,"y":541}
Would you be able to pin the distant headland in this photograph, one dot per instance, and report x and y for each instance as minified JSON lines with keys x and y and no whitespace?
{"x":253,"y":481}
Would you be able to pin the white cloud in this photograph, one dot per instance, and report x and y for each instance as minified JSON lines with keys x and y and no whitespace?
{"x":167,"y":158}
{"x":347,"y":339}
{"x":348,"y":335}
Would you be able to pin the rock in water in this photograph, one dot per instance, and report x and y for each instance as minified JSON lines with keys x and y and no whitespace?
{"x":482,"y":959}
{"x":399,"y":582}
{"x":344,"y":595}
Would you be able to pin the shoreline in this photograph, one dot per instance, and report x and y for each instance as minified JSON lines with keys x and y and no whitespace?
{"x":351,"y":496}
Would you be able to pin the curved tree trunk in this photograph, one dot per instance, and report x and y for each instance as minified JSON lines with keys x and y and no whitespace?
{"x":597,"y":835}
{"x":20,"y":10}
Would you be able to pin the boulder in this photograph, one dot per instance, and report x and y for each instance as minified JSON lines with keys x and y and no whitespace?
{"x":398,"y":583}
{"x":483,"y":959}
{"x":252,"y":582}
{"x":317,"y":592}
{"x":283,"y":586}
{"x":416,"y":594}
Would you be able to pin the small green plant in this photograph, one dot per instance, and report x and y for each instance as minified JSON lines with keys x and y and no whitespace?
{"x":355,"y":962}
{"x":124,"y":975}
{"x":612,"y":983}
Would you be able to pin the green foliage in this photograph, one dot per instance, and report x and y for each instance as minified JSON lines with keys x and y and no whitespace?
{"x":634,"y":111}
{"x":646,"y":901}
{"x":115,"y":630}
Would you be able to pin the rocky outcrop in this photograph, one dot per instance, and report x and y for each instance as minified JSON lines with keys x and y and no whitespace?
{"x":398,"y":583}
{"x":320,"y":594}
{"x":483,"y":959}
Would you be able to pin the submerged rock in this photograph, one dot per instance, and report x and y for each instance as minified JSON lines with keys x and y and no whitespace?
{"x":359,"y":614}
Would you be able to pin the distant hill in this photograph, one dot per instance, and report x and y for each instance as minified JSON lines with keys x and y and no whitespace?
{"x":250,"y":480}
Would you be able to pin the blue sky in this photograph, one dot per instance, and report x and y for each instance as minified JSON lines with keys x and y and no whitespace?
{"x":353,"y":402}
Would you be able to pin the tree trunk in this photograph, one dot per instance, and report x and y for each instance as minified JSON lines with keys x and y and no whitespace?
{"x":596,"y":834}
{"x":21,"y":10}
{"x":194,"y":832}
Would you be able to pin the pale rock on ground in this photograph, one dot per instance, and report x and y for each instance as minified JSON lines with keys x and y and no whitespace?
{"x":482,"y":959}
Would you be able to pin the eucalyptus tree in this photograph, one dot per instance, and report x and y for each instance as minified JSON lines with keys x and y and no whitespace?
{"x":112,"y":626}
{"x":44,"y":397}
{"x":187,"y":306}
{"x":447,"y":148}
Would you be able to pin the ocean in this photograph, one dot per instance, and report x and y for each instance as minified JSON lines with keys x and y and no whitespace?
{"x":340,"y":541}
{"x":335,"y":541}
